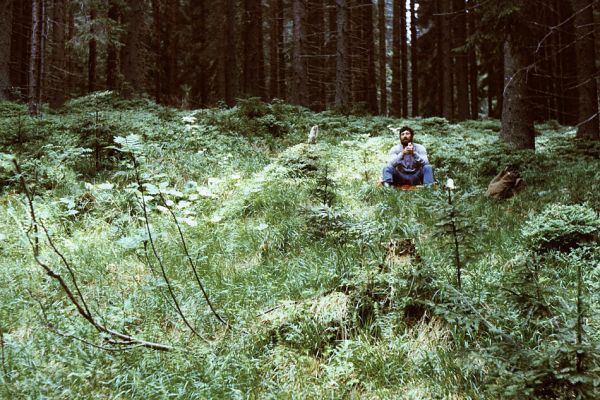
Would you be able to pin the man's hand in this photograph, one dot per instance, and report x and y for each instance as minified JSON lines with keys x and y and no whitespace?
{"x":408,"y":149}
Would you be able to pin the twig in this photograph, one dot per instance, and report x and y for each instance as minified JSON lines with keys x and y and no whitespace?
{"x":4,"y":369}
{"x":191,"y":262}
{"x":155,"y":252}
{"x":77,"y":300}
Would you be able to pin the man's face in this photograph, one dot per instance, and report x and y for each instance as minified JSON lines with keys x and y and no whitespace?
{"x":405,"y":137}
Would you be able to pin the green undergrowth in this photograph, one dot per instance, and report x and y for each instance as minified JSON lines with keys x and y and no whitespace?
{"x":332,"y":287}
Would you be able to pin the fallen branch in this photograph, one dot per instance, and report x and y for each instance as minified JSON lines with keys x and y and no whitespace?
{"x":77,"y":299}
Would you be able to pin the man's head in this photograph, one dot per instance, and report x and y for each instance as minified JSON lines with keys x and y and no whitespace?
{"x":406,"y":135}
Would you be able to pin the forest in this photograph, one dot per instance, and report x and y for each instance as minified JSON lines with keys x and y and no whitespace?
{"x":192,"y":205}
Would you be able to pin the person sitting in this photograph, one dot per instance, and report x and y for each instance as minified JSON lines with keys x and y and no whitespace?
{"x":408,"y":163}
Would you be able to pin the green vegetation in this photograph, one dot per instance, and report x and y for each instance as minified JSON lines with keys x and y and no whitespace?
{"x":330,"y":287}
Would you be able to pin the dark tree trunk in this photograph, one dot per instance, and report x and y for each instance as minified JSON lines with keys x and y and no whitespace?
{"x":170,"y":51}
{"x":414,"y":59}
{"x":157,"y":72}
{"x":473,"y":70}
{"x":92,"y":56}
{"x":274,"y":51}
{"x":59,"y":63}
{"x":35,"y":58}
{"x":382,"y":58}
{"x":331,"y":45}
{"x":6,"y":16}
{"x":586,"y":70}
{"x":20,"y":47}
{"x":342,"y":67}
{"x":198,"y":11}
{"x":517,"y":124}
{"x":404,"y":47}
{"x":132,"y":61}
{"x":370,"y":59}
{"x":252,"y":83}
{"x":111,"y":49}
{"x":299,"y":64}
{"x":459,"y":25}
{"x":281,"y":50}
{"x":396,"y":60}
{"x":315,"y":47}
{"x":230,"y":67}
{"x":446,"y":60}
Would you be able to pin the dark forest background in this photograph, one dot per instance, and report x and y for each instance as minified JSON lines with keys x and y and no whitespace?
{"x":521,"y":61}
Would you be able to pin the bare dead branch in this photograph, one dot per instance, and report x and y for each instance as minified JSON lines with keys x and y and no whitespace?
{"x":191,"y":262}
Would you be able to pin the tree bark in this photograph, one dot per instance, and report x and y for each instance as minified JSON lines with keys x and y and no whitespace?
{"x":92,"y":54}
{"x":6,"y":16}
{"x":370,"y":59}
{"x":342,"y":71}
{"x":35,"y":58}
{"x":517,"y":124}
{"x":414,"y":59}
{"x":461,"y":61}
{"x":299,"y":65}
{"x":473,"y":70}
{"x":404,"y":58}
{"x":382,"y":58}
{"x":252,"y":22}
{"x":132,"y":61}
{"x":396,"y":60}
{"x":59,"y":61}
{"x":111,"y":49}
{"x":274,"y":51}
{"x":20,"y":47}
{"x":230,"y":61}
{"x":588,"y":127}
{"x":170,"y":51}
{"x":446,"y":61}
{"x":315,"y":47}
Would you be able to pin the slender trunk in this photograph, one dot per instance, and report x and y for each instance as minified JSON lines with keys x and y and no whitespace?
{"x":20,"y":46}
{"x":274,"y":51}
{"x":252,"y":25}
{"x":6,"y":16}
{"x":70,"y":67}
{"x":157,"y":47}
{"x":170,"y":87}
{"x":396,"y":61}
{"x":111,"y":49}
{"x":281,"y":50}
{"x":446,"y":60}
{"x":382,"y":58}
{"x":404,"y":48}
{"x":230,"y":67}
{"x":588,"y":127}
{"x":315,"y":45}
{"x":414,"y":59}
{"x":517,"y":125}
{"x":299,"y":64}
{"x":473,"y":73}
{"x":132,"y":61}
{"x":459,"y":25}
{"x":92,"y":56}
{"x":342,"y":75}
{"x":59,"y":55}
{"x":371,"y":81}
{"x":35,"y":55}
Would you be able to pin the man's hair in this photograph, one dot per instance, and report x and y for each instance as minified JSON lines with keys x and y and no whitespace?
{"x":407,"y":128}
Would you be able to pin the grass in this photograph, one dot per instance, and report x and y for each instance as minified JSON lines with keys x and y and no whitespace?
{"x":312,"y":313}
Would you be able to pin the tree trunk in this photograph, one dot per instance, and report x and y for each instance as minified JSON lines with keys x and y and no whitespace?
{"x":274,"y":51}
{"x":414,"y":59}
{"x":132,"y":61}
{"x":342,"y":71}
{"x":517,"y":125}
{"x":252,"y":22}
{"x":111,"y":49}
{"x":200,"y":85}
{"x":370,"y":59}
{"x":70,"y":34}
{"x":59,"y":61}
{"x":35,"y":58}
{"x":299,"y":65}
{"x":92,"y":56}
{"x":461,"y":65}
{"x":20,"y":46}
{"x":396,"y":60}
{"x":157,"y":72}
{"x":446,"y":60}
{"x":170,"y":51}
{"x":6,"y":15}
{"x":281,"y":50}
{"x":588,"y":127}
{"x":473,"y":72}
{"x":382,"y":58}
{"x":404,"y":47}
{"x":315,"y":46}
{"x":230,"y":67}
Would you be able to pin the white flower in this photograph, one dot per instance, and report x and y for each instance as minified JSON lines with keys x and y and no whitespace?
{"x":189,"y":119}
{"x":450,"y":184}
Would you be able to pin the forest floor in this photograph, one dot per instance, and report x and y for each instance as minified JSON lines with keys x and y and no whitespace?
{"x":330,"y":286}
